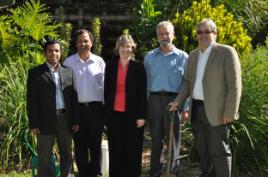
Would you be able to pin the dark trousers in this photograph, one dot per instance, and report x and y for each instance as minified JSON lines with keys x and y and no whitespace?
{"x":212,"y":143}
{"x":87,"y":140}
{"x":125,"y":145}
{"x":159,"y":129}
{"x":45,"y":144}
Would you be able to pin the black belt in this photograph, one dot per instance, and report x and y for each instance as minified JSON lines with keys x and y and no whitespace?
{"x":198,"y":102}
{"x":60,"y":111}
{"x":88,"y":104}
{"x":164,"y":93}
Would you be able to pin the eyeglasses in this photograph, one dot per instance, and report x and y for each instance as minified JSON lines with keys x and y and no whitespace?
{"x":199,"y":32}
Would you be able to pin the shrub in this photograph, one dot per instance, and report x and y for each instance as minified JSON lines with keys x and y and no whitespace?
{"x":143,"y":26}
{"x":23,"y":31}
{"x":250,"y":133}
{"x":229,"y":31}
{"x":96,"y":30}
{"x":253,"y":14}
{"x":13,"y":114}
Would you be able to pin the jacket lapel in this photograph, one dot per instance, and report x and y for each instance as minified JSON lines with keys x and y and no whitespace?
{"x":210,"y":58}
{"x":62,"y":76}
{"x":196,"y":57}
{"x":47,"y":73}
{"x":128,"y":76}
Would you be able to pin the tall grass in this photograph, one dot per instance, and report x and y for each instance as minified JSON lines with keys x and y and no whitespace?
{"x":13,"y":114}
{"x":250,"y":134}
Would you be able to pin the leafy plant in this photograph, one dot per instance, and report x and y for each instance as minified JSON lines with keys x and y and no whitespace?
{"x":24,"y":29}
{"x":253,"y":14}
{"x":229,"y":31}
{"x":143,"y":27}
{"x":65,"y":38}
{"x":250,"y":133}
{"x":96,"y":30}
{"x":13,"y":114}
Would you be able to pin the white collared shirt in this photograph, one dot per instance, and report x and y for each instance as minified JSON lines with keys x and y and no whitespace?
{"x":198,"y":92}
{"x":89,"y":77}
{"x":56,"y":77}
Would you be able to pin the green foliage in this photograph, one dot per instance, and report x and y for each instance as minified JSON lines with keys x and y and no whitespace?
{"x":250,"y":133}
{"x":22,"y":34}
{"x":96,"y":30}
{"x":143,"y":27}
{"x":13,"y":114}
{"x":65,"y":38}
{"x":229,"y":31}
{"x":253,"y":14}
{"x":23,"y":31}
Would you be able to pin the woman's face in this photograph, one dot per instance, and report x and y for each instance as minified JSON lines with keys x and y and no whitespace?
{"x":126,"y":50}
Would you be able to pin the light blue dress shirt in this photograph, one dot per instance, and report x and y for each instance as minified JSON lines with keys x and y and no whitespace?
{"x":59,"y":96}
{"x":165,"y":71}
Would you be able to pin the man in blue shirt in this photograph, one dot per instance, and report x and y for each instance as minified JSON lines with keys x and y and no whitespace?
{"x":165,"y":67}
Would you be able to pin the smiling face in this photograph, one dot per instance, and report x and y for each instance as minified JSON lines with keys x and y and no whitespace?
{"x":83,"y":43}
{"x":52,"y":54}
{"x":205,"y":35}
{"x":126,"y":50}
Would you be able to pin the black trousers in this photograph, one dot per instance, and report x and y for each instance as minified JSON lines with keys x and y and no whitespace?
{"x":87,"y":140}
{"x":212,"y":143}
{"x":45,"y":143}
{"x":125,"y":145}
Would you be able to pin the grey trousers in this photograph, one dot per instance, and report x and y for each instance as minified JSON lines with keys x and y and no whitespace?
{"x":45,"y":144}
{"x":159,"y":129}
{"x":212,"y":144}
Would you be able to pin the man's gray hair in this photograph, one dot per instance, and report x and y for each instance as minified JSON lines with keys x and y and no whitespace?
{"x":208,"y":22}
{"x":166,"y":24}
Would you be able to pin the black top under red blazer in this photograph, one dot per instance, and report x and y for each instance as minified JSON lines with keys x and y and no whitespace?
{"x":136,"y":88}
{"x":41,"y":98}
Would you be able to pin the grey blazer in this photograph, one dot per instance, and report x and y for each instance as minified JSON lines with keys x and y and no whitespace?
{"x":221,"y":83}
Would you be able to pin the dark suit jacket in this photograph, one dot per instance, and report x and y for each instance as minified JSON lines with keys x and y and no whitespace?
{"x":136,"y":88}
{"x":41,"y":98}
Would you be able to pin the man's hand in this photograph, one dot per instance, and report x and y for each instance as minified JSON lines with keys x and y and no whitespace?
{"x":227,"y":120}
{"x":173,"y":106}
{"x":140,"y":123}
{"x":75,"y":128}
{"x":35,"y":131}
{"x":185,"y":117}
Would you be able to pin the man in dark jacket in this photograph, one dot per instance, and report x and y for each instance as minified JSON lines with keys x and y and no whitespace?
{"x":52,"y":110}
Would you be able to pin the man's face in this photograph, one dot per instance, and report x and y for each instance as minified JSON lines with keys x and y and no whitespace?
{"x":83,"y":43}
{"x":205,"y":36}
{"x":53,"y":54}
{"x":164,"y":36}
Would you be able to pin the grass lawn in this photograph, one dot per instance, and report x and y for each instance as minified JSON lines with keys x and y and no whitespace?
{"x":15,"y":174}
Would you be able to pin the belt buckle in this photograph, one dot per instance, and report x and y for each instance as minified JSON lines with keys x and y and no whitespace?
{"x":60,"y":111}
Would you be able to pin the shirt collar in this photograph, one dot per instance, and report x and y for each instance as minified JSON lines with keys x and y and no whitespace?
{"x":173,"y":50}
{"x":207,"y":50}
{"x":51,"y":67}
{"x":91,"y":58}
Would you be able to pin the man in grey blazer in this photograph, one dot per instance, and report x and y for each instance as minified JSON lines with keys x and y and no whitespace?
{"x":213,"y":83}
{"x":52,"y":110}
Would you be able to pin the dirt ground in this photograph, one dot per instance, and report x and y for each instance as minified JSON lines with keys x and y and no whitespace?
{"x":188,"y":168}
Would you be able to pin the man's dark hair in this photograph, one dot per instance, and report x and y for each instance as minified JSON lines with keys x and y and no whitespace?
{"x":50,"y":42}
{"x":82,"y":31}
